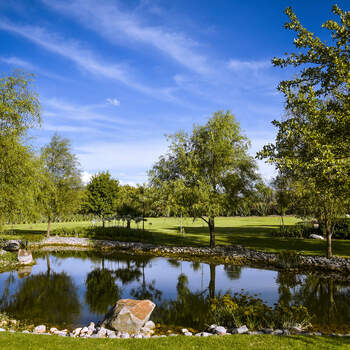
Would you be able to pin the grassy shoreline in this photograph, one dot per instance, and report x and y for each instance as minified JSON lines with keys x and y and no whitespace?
{"x":15,"y":341}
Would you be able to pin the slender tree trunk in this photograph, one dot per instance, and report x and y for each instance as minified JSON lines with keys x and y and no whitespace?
{"x":212,"y":280}
{"x":128,"y":222}
{"x":48,"y":227}
{"x":181,"y":228}
{"x":103,"y":222}
{"x":329,"y":244}
{"x":328,"y":229}
{"x":211,"y":225}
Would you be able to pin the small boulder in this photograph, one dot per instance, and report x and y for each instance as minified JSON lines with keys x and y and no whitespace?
{"x":128,"y":316}
{"x":220,"y":330}
{"x":314,"y":236}
{"x":12,"y":245}
{"x":40,"y":329}
{"x":240,"y":330}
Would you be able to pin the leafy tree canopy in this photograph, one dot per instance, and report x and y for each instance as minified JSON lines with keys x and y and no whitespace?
{"x":207,"y":170}
{"x":312,"y":142}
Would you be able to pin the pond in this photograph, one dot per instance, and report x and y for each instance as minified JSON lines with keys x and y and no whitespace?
{"x":70,"y":289}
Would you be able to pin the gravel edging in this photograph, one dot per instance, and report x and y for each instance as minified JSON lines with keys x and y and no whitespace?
{"x":220,"y":254}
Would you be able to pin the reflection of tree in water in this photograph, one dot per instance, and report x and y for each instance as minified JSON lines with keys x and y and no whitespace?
{"x":49,"y":298}
{"x":189,"y":309}
{"x":101,"y":290}
{"x":233,"y":272}
{"x":287,"y":282}
{"x":326,"y":299}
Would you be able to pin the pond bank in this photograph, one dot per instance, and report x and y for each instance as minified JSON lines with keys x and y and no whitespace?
{"x":220,"y":254}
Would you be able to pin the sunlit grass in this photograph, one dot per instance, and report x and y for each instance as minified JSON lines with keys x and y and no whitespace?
{"x":250,"y":232}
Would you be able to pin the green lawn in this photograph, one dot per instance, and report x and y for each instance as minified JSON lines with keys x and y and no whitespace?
{"x":236,"y":342}
{"x":250,"y":232}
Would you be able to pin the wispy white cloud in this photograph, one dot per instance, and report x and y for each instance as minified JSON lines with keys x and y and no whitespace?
{"x":108,"y":20}
{"x":113,"y":101}
{"x":237,"y":65}
{"x":75,"y":52}
{"x":130,"y":158}
{"x":18,"y":62}
{"x":59,"y":110}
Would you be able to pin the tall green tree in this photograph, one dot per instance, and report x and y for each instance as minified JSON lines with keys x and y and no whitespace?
{"x":102,"y":195}
{"x":312,"y":142}
{"x":19,"y":111}
{"x":208,"y":170}
{"x":62,"y":190}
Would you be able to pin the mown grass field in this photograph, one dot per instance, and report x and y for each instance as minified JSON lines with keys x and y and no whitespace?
{"x":16,"y":341}
{"x":250,"y":232}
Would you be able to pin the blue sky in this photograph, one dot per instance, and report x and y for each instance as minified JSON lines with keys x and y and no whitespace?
{"x":115,"y":76}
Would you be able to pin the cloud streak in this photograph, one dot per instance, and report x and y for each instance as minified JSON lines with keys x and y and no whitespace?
{"x":109,"y":21}
{"x":75,"y":52}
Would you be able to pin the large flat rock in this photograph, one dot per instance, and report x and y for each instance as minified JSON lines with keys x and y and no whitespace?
{"x":129,"y":315}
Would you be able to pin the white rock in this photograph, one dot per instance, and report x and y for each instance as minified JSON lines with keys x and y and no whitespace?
{"x":84,"y":330}
{"x":138,"y":336}
{"x":149,"y":325}
{"x":184,"y":330}
{"x":40,"y":329}
{"x":220,"y":330}
{"x":25,"y":331}
{"x":240,"y":330}
{"x":53,"y":330}
{"x":77,"y":331}
{"x":125,"y":336}
{"x":2,"y":330}
{"x":313,"y":236}
{"x":188,"y":334}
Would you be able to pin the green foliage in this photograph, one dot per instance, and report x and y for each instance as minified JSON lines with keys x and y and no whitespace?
{"x":243,"y":309}
{"x":206,"y":171}
{"x":19,"y":110}
{"x":102,"y":195}
{"x":288,"y":258}
{"x":342,"y":229}
{"x":312,"y":142}
{"x":300,"y":230}
{"x":62,"y":187}
{"x":112,"y":233}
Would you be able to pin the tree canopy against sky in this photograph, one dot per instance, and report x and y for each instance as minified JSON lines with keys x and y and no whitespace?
{"x":207,"y":170}
{"x":102,"y":196}
{"x":19,"y":110}
{"x":312,"y":142}
{"x":61,"y":192}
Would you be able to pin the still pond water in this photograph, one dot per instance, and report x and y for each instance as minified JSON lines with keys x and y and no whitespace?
{"x":69,"y":289}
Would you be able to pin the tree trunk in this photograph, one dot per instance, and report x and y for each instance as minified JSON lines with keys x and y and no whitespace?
{"x":212,"y":281}
{"x":328,"y":231}
{"x":48,"y":227}
{"x":128,"y":222}
{"x":212,"y":233}
{"x":329,"y":244}
{"x":103,"y":222}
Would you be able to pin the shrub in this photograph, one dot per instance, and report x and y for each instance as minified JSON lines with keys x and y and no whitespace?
{"x":242,"y":309}
{"x":342,"y":229}
{"x":300,"y":230}
{"x":288,"y":258}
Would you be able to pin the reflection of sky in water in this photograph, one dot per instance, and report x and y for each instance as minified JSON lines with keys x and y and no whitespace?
{"x":164,"y":274}
{"x":160,"y":270}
